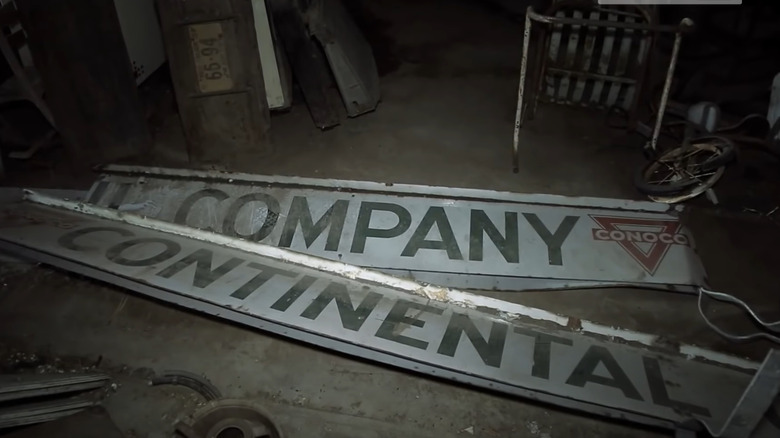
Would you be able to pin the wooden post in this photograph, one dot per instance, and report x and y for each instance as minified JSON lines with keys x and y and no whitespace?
{"x":78,"y":48}
{"x":218,"y":79}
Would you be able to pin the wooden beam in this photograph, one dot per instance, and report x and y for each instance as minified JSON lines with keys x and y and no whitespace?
{"x":79,"y":50}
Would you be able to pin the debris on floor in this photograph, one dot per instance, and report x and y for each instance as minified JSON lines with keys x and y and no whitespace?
{"x":197,"y":383}
{"x":36,"y":398}
{"x":23,"y":386}
{"x":89,"y":423}
{"x":229,"y":418}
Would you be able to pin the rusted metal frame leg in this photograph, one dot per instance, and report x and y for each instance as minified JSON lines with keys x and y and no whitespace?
{"x":521,"y":92}
{"x":542,"y":58}
{"x":665,"y":95}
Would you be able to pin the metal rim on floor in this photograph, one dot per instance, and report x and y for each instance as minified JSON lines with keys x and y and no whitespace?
{"x":229,"y":419}
{"x":685,"y":172}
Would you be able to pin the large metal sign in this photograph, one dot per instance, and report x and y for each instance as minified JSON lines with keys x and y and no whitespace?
{"x":452,"y":237}
{"x":334,"y":309}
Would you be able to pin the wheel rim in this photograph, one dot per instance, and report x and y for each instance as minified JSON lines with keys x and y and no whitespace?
{"x":691,"y":192}
{"x":684,"y":167}
{"x":689,"y":168}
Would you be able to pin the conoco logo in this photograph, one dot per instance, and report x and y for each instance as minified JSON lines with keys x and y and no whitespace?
{"x":646,"y":240}
{"x":638,"y":236}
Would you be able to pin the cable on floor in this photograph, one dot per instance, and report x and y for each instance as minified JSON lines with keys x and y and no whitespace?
{"x":720,"y":296}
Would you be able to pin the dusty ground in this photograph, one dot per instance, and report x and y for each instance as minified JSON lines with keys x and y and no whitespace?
{"x":449,"y":83}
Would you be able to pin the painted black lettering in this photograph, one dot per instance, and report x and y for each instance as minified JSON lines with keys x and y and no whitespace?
{"x":434,"y":216}
{"x":205,"y":274}
{"x":115,"y":252}
{"x":584,"y":372}
{"x":363,"y":228}
{"x":301,"y":214}
{"x":491,"y":350}
{"x":659,"y":394}
{"x":271,"y":215}
{"x":292,"y":294}
{"x":542,"y":350}
{"x":184,"y":210}
{"x":554,"y":240}
{"x":351,"y":318}
{"x":68,"y":240}
{"x":396,"y":322}
{"x":265,"y":274}
{"x":507,"y":244}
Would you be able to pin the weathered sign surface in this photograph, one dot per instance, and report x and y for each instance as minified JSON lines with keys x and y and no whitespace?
{"x":375,"y":320}
{"x":452,"y":237}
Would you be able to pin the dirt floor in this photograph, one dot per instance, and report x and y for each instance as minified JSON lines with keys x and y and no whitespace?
{"x":449,"y":82}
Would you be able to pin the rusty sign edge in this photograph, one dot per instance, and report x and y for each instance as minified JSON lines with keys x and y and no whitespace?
{"x":395,"y":188}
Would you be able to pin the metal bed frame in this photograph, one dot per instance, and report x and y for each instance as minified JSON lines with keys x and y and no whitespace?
{"x":600,"y":61}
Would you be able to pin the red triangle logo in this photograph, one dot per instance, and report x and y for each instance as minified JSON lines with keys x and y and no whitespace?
{"x":646,"y":240}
